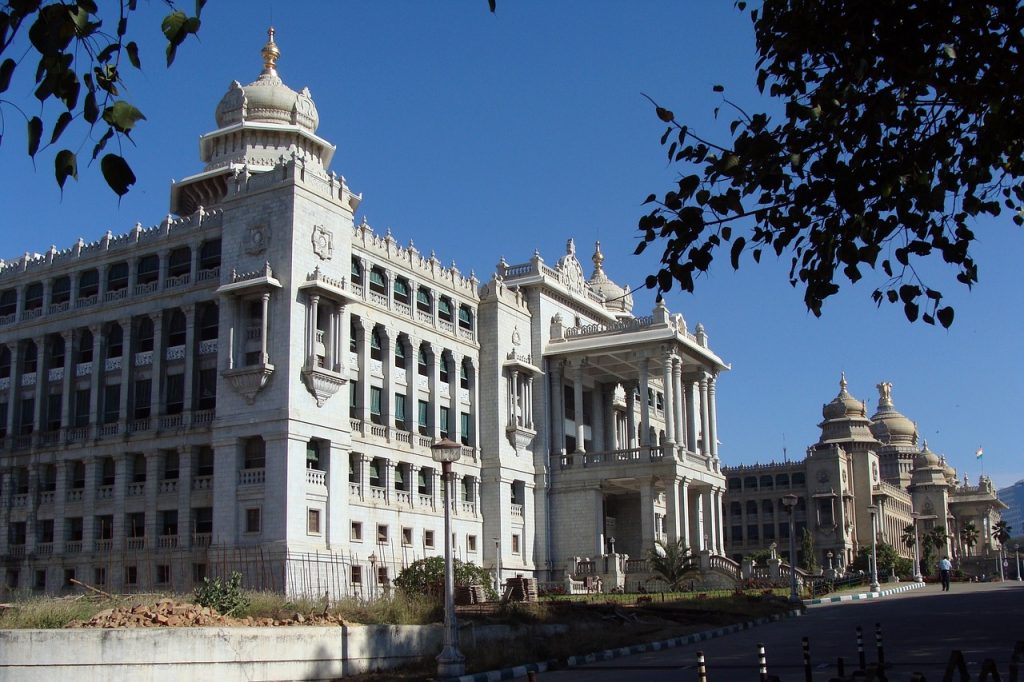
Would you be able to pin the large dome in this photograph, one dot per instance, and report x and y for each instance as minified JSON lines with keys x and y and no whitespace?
{"x":617,"y":299}
{"x":267,"y":99}
{"x":843,"y":405}
{"x":888,"y":426}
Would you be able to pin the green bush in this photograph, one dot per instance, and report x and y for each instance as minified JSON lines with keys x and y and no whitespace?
{"x":426,"y":577}
{"x":223,"y":597}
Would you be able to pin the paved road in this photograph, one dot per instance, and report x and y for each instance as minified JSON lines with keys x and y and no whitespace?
{"x":919,"y":628}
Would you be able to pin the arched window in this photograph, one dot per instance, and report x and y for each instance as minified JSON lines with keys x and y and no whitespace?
{"x":209,"y":255}
{"x":88,"y":283}
{"x":399,"y":353}
{"x":422,"y":366}
{"x":752,"y":507}
{"x":149,"y":269}
{"x":34,"y":296}
{"x":8,"y":302}
{"x":767,"y":507}
{"x":445,"y":362}
{"x":115,"y":341}
{"x":55,"y":348}
{"x":5,"y":362}
{"x":144,"y":334}
{"x":375,"y":352}
{"x":61,"y":290}
{"x":209,"y":315}
{"x":402,"y":290}
{"x":444,"y":308}
{"x":767,"y":483}
{"x":378,"y":282}
{"x":750,"y":483}
{"x":424,"y":301}
{"x":357,"y":272}
{"x":85,"y":344}
{"x":464,"y":374}
{"x":782,"y":481}
{"x":30,"y":355}
{"x":465,"y":317}
{"x":735,"y":508}
{"x":117,"y":276}
{"x":179,"y":262}
{"x":176,"y":329}
{"x":798,"y":478}
{"x":735,"y":483}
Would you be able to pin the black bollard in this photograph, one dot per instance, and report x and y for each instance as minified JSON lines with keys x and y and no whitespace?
{"x":762,"y":663}
{"x":878,"y":644}
{"x":860,"y":649}
{"x":531,"y":676}
{"x":702,"y":673}
{"x":808,"y":675}
{"x":840,"y":667}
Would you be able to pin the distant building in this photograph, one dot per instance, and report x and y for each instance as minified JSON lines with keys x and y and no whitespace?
{"x":1013,"y":496}
{"x":858,"y":462}
{"x":255,"y":383}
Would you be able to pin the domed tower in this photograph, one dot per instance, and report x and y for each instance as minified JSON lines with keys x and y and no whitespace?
{"x":929,"y":489}
{"x":845,"y":419}
{"x":898,"y":436}
{"x":259,"y":126}
{"x":617,"y":299}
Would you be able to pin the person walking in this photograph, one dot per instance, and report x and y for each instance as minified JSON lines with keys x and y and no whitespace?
{"x":944,"y":568}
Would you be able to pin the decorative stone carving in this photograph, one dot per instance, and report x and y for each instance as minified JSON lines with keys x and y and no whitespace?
{"x":248,"y":381}
{"x":257,"y":239}
{"x":322,"y":383}
{"x":570,"y":272}
{"x":323,"y":242}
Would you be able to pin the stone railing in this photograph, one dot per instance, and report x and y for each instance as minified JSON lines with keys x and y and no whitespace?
{"x":202,"y":483}
{"x":610,"y":328}
{"x":316,"y":477}
{"x":201,"y":540}
{"x":251,"y":476}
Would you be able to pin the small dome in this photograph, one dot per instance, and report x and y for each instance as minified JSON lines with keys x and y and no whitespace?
{"x":928,"y":469}
{"x":267,"y":99}
{"x":927,"y":459}
{"x":843,"y":405}
{"x":888,"y":426}
{"x":617,"y":299}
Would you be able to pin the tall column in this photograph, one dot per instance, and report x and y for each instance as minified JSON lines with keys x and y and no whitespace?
{"x":631,"y":417}
{"x":97,"y":372}
{"x":645,"y":404}
{"x":264,"y":328}
{"x":679,"y":402}
{"x":691,"y":416}
{"x":705,"y":431}
{"x":126,"y":370}
{"x":720,"y":520}
{"x":474,"y":406}
{"x":670,"y":398}
{"x":712,"y":417}
{"x":454,"y":409}
{"x":708,"y":504}
{"x":12,"y":390}
{"x":152,"y":490}
{"x":528,"y":402}
{"x":512,"y":396}
{"x":577,"y":393}
{"x":60,"y":499}
{"x":165,"y":257}
{"x":89,"y":505}
{"x":684,"y":512}
{"x":647,"y":529}
{"x":672,"y":509}
{"x":331,"y":339}
{"x":557,"y":407}
{"x":120,"y":488}
{"x":597,"y":428}
{"x":159,"y":359}
{"x":435,"y":390}
{"x":41,"y":383}
{"x":184,"y":496}
{"x":363,"y":352}
{"x":388,"y":340}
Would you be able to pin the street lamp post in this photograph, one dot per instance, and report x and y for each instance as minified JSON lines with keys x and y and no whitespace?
{"x":918,"y":578}
{"x":789,"y":502}
{"x":1016,"y":551}
{"x":373,"y":575}
{"x":873,"y":509}
{"x":450,"y":662}
{"x":830,"y":555}
{"x":497,"y":566}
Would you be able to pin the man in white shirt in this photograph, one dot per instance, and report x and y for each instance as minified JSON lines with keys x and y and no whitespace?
{"x":944,"y":568}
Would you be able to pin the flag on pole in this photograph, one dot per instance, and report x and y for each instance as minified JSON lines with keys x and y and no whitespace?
{"x":978,"y":453}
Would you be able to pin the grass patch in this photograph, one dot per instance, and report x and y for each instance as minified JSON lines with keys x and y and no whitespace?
{"x":47,"y":613}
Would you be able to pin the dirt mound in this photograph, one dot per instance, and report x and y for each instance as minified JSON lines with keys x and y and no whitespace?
{"x":169,"y":613}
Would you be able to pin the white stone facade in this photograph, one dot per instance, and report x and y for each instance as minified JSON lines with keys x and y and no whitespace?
{"x":255,"y":383}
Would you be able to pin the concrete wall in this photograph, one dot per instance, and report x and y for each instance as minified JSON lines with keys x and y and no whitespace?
{"x":226,"y":654}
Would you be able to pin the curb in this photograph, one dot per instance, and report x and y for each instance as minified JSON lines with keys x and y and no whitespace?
{"x":608,"y":654}
{"x":864,"y":595}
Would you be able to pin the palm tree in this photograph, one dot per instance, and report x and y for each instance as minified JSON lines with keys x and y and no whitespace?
{"x":969,"y":536}
{"x":1001,"y":532}
{"x":674,"y":563}
{"x":908,"y":537}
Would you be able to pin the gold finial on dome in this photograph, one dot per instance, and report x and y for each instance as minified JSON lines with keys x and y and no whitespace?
{"x":270,"y":54}
{"x":598,"y":257}
{"x":842,"y":382}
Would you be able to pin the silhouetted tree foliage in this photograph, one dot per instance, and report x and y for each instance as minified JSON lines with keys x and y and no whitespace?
{"x":78,"y":63}
{"x":900,"y":126}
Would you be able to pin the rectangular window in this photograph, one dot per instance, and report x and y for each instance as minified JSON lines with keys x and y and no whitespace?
{"x":737,"y":533}
{"x":400,"y":411}
{"x":143,"y":393}
{"x":104,"y":527}
{"x":752,"y":535}
{"x":82,"y":407}
{"x":569,"y":400}
{"x":357,"y":575}
{"x":375,"y":404}
{"x":202,"y":520}
{"x":313,"y":521}
{"x":423,"y":417}
{"x":175,"y":393}
{"x":99,"y":575}
{"x":28,"y":408}
{"x":375,"y":478}
{"x":111,"y":403}
{"x":131,"y":575}
{"x":53,"y":408}
{"x":353,"y":399}
{"x":252,"y":520}
{"x":382,"y":575}
{"x":428,"y":539}
{"x":515,"y":543}
{"x":444,"y":421}
{"x":471,"y":543}
{"x":207,"y":389}
{"x":357,"y":531}
{"x":163,"y":574}
{"x":170,"y":465}
{"x":135,"y":525}
{"x":464,"y":434}
{"x":382,"y":532}
{"x":407,"y":536}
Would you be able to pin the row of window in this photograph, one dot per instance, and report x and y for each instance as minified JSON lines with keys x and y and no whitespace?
{"x":103,"y":526}
{"x":402,"y":292}
{"x":765,"y":532}
{"x":117,"y":274}
{"x":767,"y":481}
{"x":765,"y":506}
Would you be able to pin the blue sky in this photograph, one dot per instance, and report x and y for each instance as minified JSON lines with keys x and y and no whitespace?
{"x":481,"y":136}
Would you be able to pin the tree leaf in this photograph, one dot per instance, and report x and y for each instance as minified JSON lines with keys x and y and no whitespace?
{"x":6,"y":71}
{"x":122,"y":116}
{"x":62,"y":122}
{"x":133,"y":54}
{"x":65,"y":165}
{"x":117,"y":173}
{"x":945,"y":316}
{"x":35,"y":134}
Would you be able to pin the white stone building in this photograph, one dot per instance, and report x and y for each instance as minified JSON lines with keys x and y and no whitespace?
{"x":255,"y":383}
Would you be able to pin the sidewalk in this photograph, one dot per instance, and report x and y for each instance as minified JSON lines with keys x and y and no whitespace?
{"x":864,"y":595}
